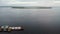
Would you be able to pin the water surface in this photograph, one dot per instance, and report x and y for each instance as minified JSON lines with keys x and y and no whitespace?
{"x":34,"y":21}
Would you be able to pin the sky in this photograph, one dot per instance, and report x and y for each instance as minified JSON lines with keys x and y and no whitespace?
{"x":29,"y":3}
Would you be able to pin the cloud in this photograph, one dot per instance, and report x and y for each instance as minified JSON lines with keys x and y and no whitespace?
{"x":29,"y":3}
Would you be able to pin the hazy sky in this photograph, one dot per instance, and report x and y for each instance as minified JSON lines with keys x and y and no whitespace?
{"x":29,"y":3}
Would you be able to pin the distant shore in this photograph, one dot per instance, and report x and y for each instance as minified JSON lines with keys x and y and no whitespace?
{"x":34,"y":7}
{"x":31,"y":7}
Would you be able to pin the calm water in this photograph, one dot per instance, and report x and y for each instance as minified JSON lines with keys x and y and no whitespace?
{"x":34,"y":21}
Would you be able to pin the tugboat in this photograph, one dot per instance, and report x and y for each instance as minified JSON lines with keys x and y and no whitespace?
{"x":9,"y":29}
